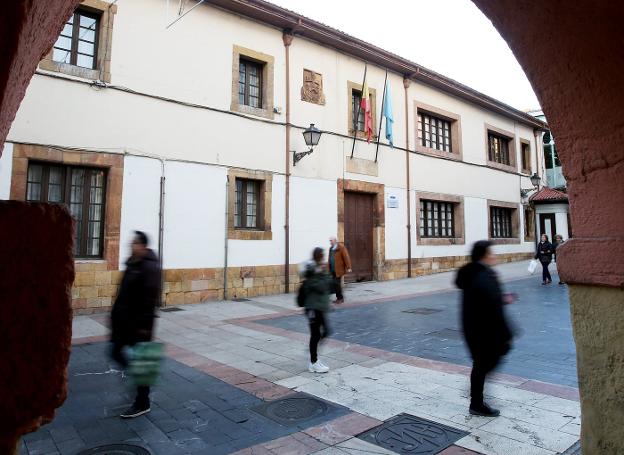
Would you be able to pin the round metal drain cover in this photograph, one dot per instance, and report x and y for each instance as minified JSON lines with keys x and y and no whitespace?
{"x":116,"y":449}
{"x":296,"y":409}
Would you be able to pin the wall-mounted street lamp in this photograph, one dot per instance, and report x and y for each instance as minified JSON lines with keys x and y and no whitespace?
{"x":535,"y":181}
{"x":311,"y":136}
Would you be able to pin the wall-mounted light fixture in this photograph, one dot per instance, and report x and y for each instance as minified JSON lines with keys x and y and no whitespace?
{"x":311,"y":136}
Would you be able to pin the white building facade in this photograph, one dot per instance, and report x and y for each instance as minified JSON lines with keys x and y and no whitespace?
{"x":187,"y":133}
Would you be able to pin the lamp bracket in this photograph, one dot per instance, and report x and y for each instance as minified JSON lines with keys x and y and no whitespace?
{"x":297,"y":156}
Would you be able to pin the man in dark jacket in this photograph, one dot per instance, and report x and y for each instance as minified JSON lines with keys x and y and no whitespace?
{"x":132,"y":317}
{"x":485,"y":328}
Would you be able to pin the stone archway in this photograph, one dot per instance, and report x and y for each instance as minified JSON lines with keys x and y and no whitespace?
{"x":572,"y":54}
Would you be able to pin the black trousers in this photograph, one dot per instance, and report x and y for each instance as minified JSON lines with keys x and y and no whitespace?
{"x":338,"y":286}
{"x":482,"y":364}
{"x":545,"y":272}
{"x":142,"y":397}
{"x":318,"y":330}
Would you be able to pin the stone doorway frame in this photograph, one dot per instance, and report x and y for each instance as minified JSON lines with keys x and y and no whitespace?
{"x":379,"y":218}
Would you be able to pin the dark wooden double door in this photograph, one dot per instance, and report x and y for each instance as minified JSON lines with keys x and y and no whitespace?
{"x":358,"y":234}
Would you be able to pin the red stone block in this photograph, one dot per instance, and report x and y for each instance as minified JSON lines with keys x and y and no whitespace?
{"x":36,"y":275}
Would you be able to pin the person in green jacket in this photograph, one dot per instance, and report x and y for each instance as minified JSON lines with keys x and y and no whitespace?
{"x":316,"y":285}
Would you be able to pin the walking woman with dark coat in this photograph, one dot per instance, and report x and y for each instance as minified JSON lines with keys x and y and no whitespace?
{"x":486,"y":330}
{"x":316,"y":303}
{"x":132,"y":317}
{"x":544,"y":253}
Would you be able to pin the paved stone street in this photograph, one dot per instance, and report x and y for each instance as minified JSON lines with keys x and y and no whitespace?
{"x":226,"y":358}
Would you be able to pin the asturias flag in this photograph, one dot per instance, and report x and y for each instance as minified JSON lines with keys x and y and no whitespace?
{"x":368,"y":115}
{"x":387,"y":112}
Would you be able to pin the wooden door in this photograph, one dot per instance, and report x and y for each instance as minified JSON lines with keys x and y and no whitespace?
{"x":358,"y":231}
{"x":548,"y":226}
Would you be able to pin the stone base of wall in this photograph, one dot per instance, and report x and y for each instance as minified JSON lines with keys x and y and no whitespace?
{"x":95,"y":287}
{"x":397,"y":268}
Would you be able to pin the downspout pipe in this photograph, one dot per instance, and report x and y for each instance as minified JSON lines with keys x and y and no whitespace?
{"x":406,"y":84}
{"x":287,"y":37}
{"x":227,"y":237}
{"x":161,"y":231}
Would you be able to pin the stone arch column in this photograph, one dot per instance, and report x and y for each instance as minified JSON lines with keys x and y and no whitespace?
{"x":572,"y":54}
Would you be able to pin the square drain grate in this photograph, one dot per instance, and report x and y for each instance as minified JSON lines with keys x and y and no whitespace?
{"x":241,"y":300}
{"x":408,"y":434}
{"x":422,"y":311}
{"x":299,"y":410}
{"x":170,"y":309}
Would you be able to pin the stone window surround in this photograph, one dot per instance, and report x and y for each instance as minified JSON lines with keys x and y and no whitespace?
{"x":522,"y":169}
{"x":114,"y":164}
{"x":456,"y":139}
{"x":511,"y":145}
{"x":379,"y":217}
{"x":104,"y":48}
{"x":515,"y":222}
{"x":266,"y":192}
{"x":458,"y":219}
{"x":373,"y":96}
{"x":268,"y":82}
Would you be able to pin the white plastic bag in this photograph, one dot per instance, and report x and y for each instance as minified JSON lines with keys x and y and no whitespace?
{"x":532,"y":266}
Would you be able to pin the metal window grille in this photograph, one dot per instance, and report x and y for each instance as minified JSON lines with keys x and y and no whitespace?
{"x":500,"y":222}
{"x":248,"y":204}
{"x":437,"y":219}
{"x":250,"y":83}
{"x":434,"y":132}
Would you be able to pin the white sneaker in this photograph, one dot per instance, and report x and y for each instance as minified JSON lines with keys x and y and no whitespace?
{"x":318,"y":367}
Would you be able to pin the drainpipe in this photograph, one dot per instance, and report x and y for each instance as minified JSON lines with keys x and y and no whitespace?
{"x":161,"y":231}
{"x":287,"y":37}
{"x":406,"y":84}
{"x":225,"y":259}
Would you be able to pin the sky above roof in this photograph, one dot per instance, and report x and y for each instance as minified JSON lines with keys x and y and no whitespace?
{"x":451,"y":37}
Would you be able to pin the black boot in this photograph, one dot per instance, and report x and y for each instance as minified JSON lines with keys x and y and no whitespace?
{"x":483,"y":410}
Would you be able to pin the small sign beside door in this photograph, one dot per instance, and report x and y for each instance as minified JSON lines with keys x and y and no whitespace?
{"x":392,"y":201}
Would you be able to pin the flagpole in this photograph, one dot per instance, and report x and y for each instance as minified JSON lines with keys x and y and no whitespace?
{"x":383,"y":98}
{"x":357,"y":117}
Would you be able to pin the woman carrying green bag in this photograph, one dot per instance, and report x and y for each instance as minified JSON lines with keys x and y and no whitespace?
{"x":132,"y":321}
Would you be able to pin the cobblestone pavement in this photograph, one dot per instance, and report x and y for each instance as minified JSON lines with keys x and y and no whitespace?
{"x":224,"y":358}
{"x":429,"y":327}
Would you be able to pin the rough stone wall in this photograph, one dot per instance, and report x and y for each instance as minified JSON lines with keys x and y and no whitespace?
{"x":597,"y":315}
{"x":36,"y":273}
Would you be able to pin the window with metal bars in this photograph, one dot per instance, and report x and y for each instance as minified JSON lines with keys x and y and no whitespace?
{"x":437,"y":219}
{"x":83,"y":191}
{"x":356,"y":100}
{"x":500,"y":223}
{"x":434,"y":132}
{"x":78,"y":42}
{"x":250,"y":83}
{"x":248,"y":204}
{"x":498,"y":148}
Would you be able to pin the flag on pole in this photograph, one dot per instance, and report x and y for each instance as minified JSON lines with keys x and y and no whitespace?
{"x":387,"y":112}
{"x":368,"y":115}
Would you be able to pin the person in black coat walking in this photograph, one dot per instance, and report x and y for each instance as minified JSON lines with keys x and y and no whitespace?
{"x":132,"y":316}
{"x":486,"y":330}
{"x":544,"y":253}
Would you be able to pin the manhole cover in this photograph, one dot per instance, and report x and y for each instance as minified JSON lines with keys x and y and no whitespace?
{"x":171,"y":309}
{"x":296,"y":409}
{"x":422,"y":311}
{"x":412,"y":435}
{"x":116,"y":449}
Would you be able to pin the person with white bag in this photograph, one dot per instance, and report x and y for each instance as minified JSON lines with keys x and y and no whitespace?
{"x":544,"y":255}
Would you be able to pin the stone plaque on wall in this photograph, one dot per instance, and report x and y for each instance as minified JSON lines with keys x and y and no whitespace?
{"x":312,"y":90}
